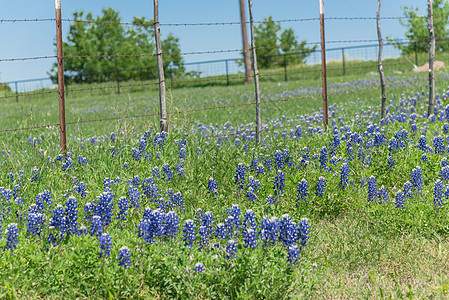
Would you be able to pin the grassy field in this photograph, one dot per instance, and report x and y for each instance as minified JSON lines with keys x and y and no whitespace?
{"x":361,"y":243}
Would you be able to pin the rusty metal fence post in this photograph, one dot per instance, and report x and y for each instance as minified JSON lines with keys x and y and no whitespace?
{"x":62,"y":124}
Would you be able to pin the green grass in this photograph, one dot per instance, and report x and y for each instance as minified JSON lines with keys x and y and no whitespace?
{"x":356,"y":249}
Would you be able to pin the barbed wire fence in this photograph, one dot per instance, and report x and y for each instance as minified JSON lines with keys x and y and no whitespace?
{"x":223,"y":72}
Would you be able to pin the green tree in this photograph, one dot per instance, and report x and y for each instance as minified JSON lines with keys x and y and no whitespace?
{"x":417,"y":31}
{"x":105,"y":36}
{"x":271,"y":45}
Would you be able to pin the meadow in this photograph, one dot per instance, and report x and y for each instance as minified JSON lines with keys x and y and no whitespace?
{"x":357,"y":211}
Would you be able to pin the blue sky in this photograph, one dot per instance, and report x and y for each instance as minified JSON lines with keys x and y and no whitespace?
{"x":30,"y":39}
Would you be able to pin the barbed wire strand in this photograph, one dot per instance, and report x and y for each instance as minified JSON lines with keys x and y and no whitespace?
{"x":390,"y":41}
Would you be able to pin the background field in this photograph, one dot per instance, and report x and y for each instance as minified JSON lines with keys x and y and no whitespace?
{"x":357,"y":248}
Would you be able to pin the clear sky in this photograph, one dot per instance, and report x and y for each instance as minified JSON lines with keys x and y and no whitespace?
{"x":30,"y":39}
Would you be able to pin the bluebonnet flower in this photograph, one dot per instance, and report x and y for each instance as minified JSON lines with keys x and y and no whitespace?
{"x":231,"y":249}
{"x":89,"y":209}
{"x":34,"y":175}
{"x":96,"y":227}
{"x":323,"y":157}
{"x":438,"y":145}
{"x":293,"y":255}
{"x":80,"y":189}
{"x":171,"y":224}
{"x":444,"y":173}
{"x":105,"y":245}
{"x":36,"y":223}
{"x":416,"y":178}
{"x":82,"y":160}
{"x":136,"y":154}
{"x":198,"y":216}
{"x":438,"y":193}
{"x":444,"y":162}
{"x":204,"y":234}
{"x":199,"y":267}
{"x":267,"y":162}
{"x":71,"y":216}
{"x":270,"y":200}
{"x":212,"y":186}
{"x":208,"y":221}
{"x":125,"y":166}
{"x":260,"y":170}
{"x":372,"y":188}
{"x":279,"y":159}
{"x":82,"y":230}
{"x":320,"y":187}
{"x":12,"y":234}
{"x":149,"y":226}
{"x":180,"y":168}
{"x":344,"y":175}
{"x":114,"y":151}
{"x":58,"y":220}
{"x":249,"y":237}
{"x":142,"y":144}
{"x":422,"y":143}
{"x":68,"y":164}
{"x":155,"y":172}
{"x":303,"y":190}
{"x":113,"y":137}
{"x":269,"y":229}
{"x":177,"y":200}
{"x":104,"y":207}
{"x":383,"y":195}
{"x":399,"y":200}
{"x":230,"y":226}
{"x":250,"y":195}
{"x":279,"y":183}
{"x":182,"y":152}
{"x":408,"y":192}
{"x":168,"y":174}
{"x":253,"y":183}
{"x":123,"y":205}
{"x":46,"y":198}
{"x":124,"y":257}
{"x":303,"y":231}
{"x":189,"y":233}
{"x":134,"y":197}
{"x":235,"y":213}
{"x":250,"y":219}
{"x":424,"y":157}
{"x":287,"y":231}
{"x":239,"y":177}
{"x":221,"y":232}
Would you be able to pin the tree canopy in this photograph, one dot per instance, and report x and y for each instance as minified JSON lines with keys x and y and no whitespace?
{"x":267,"y":36}
{"x":418,"y":33}
{"x":104,"y":35}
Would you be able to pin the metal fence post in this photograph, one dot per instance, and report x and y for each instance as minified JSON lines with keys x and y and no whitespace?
{"x":380,"y":66}
{"x":256,"y":74}
{"x":343,"y":60}
{"x":160,"y":68}
{"x":430,"y":110}
{"x":227,"y":72}
{"x":416,"y":53}
{"x":118,"y":81}
{"x":285,"y":67}
{"x":62,"y":125}
{"x":17,"y":92}
{"x":323,"y":66}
